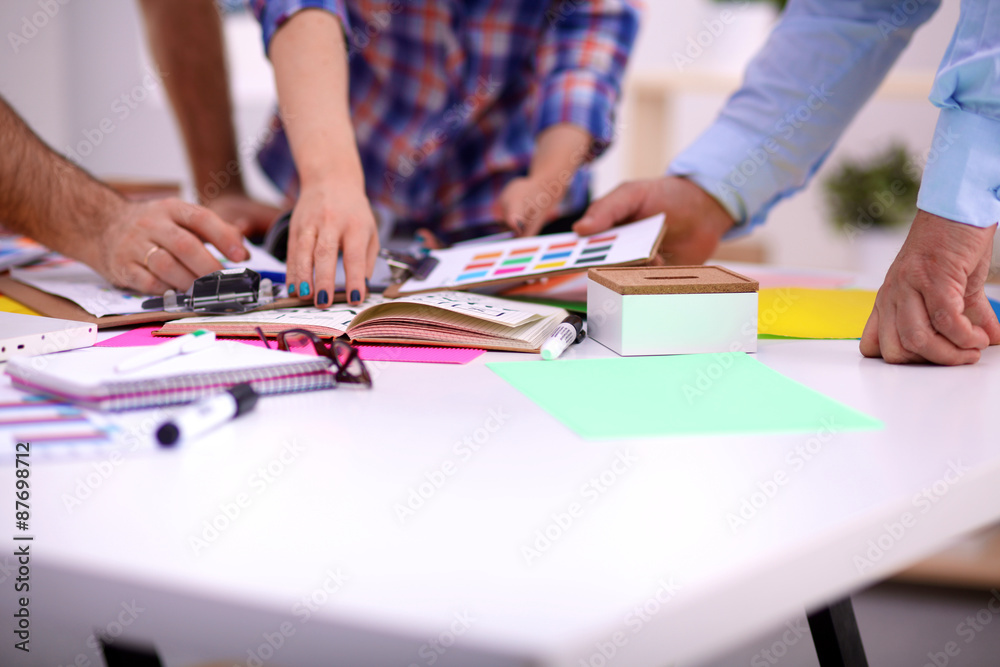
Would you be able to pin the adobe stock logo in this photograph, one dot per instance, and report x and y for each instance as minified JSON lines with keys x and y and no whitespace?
{"x":30,"y":25}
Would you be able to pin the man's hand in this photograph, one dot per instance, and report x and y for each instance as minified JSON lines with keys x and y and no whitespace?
{"x":695,"y":221}
{"x":931,"y":306}
{"x":251,"y":217}
{"x":327,"y":220}
{"x":526,"y":204}
{"x":158,"y":245}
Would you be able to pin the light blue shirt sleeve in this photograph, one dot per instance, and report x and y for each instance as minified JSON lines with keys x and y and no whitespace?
{"x":962,"y":177}
{"x":822,"y":62}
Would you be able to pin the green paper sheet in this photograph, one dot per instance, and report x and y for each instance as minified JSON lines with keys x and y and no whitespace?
{"x":690,"y":394}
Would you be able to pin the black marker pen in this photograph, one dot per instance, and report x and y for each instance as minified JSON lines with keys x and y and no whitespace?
{"x":207,"y":414}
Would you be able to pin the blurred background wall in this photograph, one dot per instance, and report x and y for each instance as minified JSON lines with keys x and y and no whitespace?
{"x":73,"y":66}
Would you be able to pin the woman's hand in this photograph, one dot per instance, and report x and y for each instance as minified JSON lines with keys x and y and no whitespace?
{"x":328,"y":220}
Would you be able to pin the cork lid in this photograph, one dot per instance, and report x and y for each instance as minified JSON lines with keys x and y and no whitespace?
{"x":671,"y":280}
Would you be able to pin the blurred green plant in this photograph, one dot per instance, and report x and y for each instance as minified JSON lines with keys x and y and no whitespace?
{"x":878,"y":192}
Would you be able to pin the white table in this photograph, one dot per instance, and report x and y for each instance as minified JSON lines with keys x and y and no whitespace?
{"x":318,"y":562}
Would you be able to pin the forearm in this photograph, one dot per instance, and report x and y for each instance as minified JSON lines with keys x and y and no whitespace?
{"x":310,"y":71}
{"x":46,"y":197}
{"x":820,"y":65}
{"x":582,"y":61}
{"x":559,"y":151}
{"x":186,"y":39}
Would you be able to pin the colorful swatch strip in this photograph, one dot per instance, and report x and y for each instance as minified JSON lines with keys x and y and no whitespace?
{"x":538,"y":257}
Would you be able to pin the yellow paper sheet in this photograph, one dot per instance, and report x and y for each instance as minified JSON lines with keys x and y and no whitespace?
{"x":799,"y":312}
{"x":8,"y":305}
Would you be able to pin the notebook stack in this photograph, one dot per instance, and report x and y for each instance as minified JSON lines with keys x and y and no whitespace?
{"x":89,"y":378}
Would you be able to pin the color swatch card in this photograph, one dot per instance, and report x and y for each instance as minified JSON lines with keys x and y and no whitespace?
{"x":678,"y":395}
{"x":17,"y":250}
{"x":474,"y":265}
{"x":47,"y":424}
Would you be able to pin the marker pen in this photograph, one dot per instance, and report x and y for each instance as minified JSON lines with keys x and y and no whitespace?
{"x":207,"y":414}
{"x":186,"y":344}
{"x":568,"y":332}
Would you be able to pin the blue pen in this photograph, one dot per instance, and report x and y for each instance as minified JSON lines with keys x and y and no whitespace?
{"x":275,"y":277}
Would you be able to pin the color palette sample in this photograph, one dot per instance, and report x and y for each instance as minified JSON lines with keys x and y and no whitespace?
{"x":52,"y":423}
{"x":537,"y":256}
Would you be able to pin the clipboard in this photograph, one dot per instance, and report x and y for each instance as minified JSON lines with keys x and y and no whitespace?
{"x":515,"y":261}
{"x":51,"y":305}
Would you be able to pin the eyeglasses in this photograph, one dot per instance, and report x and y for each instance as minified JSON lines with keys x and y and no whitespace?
{"x":350,"y":368}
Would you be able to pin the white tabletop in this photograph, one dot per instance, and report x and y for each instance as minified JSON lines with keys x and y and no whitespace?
{"x":650,"y":568}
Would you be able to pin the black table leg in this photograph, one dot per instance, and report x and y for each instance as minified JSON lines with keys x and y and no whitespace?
{"x":836,"y":637}
{"x":122,"y":654}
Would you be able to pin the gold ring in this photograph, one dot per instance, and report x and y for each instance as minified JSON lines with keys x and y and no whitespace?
{"x":149,"y":253}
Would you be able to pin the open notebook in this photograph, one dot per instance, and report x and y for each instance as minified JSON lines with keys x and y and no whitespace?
{"x":455,"y":319}
{"x":88,"y":377}
{"x":458,"y":319}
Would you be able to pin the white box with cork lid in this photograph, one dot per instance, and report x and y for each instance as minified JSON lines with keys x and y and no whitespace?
{"x":651,"y":310}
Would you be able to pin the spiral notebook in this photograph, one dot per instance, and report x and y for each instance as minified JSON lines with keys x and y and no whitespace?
{"x":88,"y":377}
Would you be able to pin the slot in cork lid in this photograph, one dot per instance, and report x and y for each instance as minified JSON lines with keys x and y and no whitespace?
{"x":671,"y":280}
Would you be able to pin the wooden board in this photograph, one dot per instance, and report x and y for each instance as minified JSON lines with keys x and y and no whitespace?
{"x":972,"y":563}
{"x":56,"y":306}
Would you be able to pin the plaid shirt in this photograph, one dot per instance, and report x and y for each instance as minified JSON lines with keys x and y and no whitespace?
{"x":447,"y":97}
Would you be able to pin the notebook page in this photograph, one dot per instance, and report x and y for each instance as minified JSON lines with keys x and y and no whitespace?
{"x":333,"y":320}
{"x":482,"y":307}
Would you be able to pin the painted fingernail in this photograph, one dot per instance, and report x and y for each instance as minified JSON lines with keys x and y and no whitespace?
{"x":355,"y":296}
{"x":322,"y":298}
{"x":291,"y":289}
{"x":303,"y":288}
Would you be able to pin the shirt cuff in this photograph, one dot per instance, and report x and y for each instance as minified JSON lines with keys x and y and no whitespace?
{"x":583,"y":99}
{"x":277,"y":12}
{"x":731,"y":165}
{"x":961,"y":181}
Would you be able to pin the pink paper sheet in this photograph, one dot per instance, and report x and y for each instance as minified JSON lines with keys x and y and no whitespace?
{"x":430,"y":355}
{"x":144,"y":336}
{"x":134,"y":338}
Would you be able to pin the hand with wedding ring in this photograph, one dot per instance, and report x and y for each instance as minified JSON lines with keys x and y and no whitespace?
{"x":157,"y":245}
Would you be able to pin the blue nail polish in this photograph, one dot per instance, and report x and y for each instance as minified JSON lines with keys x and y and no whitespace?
{"x":355,"y":296}
{"x":323,"y":297}
{"x":291,"y":289}
{"x":303,"y":288}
